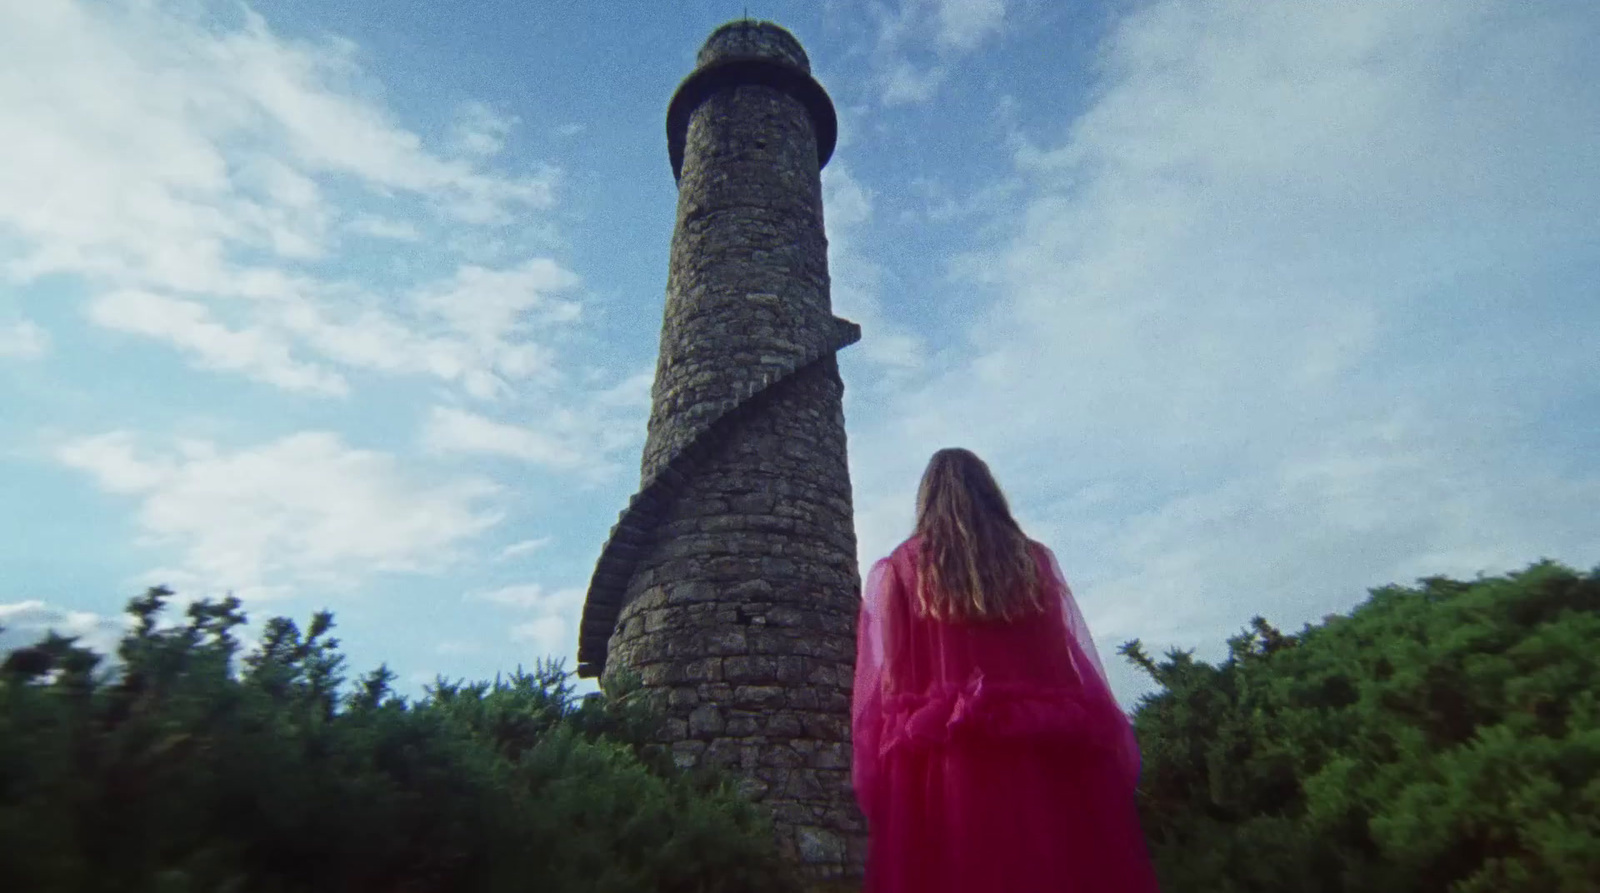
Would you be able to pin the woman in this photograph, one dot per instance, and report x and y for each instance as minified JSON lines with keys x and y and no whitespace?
{"x":989,"y":751}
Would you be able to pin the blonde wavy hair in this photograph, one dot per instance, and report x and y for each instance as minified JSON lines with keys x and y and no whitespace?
{"x":976,"y":563}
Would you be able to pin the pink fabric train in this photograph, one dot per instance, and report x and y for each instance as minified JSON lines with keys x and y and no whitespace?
{"x":990,"y":756}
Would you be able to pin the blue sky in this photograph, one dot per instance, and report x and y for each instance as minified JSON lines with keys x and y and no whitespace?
{"x":354,"y":305}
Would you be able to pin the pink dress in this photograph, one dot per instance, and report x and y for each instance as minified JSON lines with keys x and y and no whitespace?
{"x":990,"y":756}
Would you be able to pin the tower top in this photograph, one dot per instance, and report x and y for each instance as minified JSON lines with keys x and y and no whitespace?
{"x":744,"y":38}
{"x":743,"y":52}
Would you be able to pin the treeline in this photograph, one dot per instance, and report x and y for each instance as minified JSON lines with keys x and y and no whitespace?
{"x":1443,"y":738}
{"x":195,"y":767}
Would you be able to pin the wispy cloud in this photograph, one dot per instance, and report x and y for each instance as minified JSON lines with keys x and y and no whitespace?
{"x":23,"y":341}
{"x":1257,"y":338}
{"x":524,"y":547}
{"x":190,"y":326}
{"x":213,"y":187}
{"x":857,"y":280}
{"x":480,"y":328}
{"x":304,"y":509}
{"x":384,"y":228}
{"x":26,"y":622}
{"x":479,"y":132}
{"x":918,"y":41}
{"x":549,"y":617}
{"x":530,"y":596}
{"x":196,"y":175}
{"x":586,"y":439}
{"x":452,"y":430}
{"x":965,"y":24}
{"x":184,"y":143}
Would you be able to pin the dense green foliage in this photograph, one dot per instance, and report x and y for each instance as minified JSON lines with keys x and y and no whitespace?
{"x":191,"y":766}
{"x":1439,"y":738}
{"x":1442,"y":738}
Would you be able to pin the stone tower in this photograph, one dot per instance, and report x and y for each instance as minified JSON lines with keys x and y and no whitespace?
{"x":729,"y":585}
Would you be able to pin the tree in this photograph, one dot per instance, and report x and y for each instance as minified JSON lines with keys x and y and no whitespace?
{"x":1444,"y":737}
{"x":189,"y":767}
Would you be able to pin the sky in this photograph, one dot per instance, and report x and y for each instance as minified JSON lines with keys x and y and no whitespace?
{"x":352,"y":304}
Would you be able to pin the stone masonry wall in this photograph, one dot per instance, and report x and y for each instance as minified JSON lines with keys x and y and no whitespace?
{"x":739,"y":617}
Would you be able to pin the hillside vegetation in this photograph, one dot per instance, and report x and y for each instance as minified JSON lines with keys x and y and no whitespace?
{"x":1443,"y":738}
{"x":197,"y":768}
{"x":1439,"y":738}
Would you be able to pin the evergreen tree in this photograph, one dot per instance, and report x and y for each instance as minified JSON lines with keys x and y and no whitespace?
{"x":191,"y":767}
{"x":1444,"y":737}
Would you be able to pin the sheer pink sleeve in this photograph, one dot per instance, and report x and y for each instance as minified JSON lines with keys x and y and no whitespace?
{"x":1092,"y":672}
{"x":866,"y":712}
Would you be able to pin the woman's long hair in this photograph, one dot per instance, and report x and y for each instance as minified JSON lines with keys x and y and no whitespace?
{"x":976,"y":562}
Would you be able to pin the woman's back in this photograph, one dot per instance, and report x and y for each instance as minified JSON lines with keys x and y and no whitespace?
{"x":933,"y":654}
{"x":990,"y":754}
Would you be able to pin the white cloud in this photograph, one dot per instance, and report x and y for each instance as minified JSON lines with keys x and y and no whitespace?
{"x":384,"y":228}
{"x":256,"y":352}
{"x":552,"y":616}
{"x":532,"y":596}
{"x":305,"y":509}
{"x":919,"y":40}
{"x":26,"y":622}
{"x":485,"y":307}
{"x":904,"y":83}
{"x":453,"y":648}
{"x":191,"y":172}
{"x":547,"y":635}
{"x":966,"y":24}
{"x":857,"y":280}
{"x":23,"y":341}
{"x":587,"y":436}
{"x":179,"y":142}
{"x":479,"y":131}
{"x":479,"y":328}
{"x":458,"y":431}
{"x":524,"y":547}
{"x":1259,"y":336}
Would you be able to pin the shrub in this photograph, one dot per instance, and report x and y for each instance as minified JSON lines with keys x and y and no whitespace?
{"x":190,"y":767}
{"x":1439,"y":738}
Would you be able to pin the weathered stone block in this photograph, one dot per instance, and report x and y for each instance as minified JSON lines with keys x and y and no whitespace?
{"x":825,"y":726}
{"x":783,"y":725}
{"x":763,"y":696}
{"x":746,"y":669}
{"x":741,"y":724}
{"x":683,"y":698}
{"x":661,"y":674}
{"x":783,"y":615}
{"x":722,"y":753}
{"x":691,"y":592}
{"x":724,"y":641}
{"x":656,"y":621}
{"x":707,"y":669}
{"x":819,"y":845}
{"x":804,"y":699}
{"x":831,"y":755}
{"x":705,"y":721}
{"x":752,"y":788}
{"x":782,"y":757}
{"x":686,"y":754}
{"x":791,"y":671}
{"x":803,"y":785}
